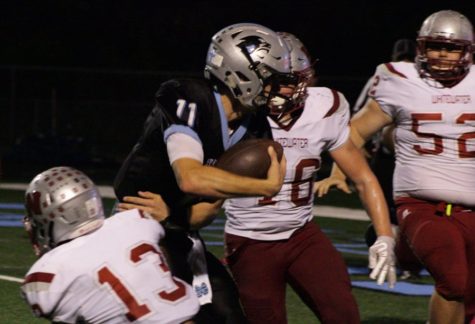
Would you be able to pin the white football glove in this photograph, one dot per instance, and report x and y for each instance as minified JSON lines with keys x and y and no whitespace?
{"x":383,"y":261}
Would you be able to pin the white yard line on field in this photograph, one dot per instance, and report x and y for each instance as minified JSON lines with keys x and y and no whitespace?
{"x":340,"y":212}
{"x":9,"y":278}
{"x":106,"y":191}
{"x":321,"y":211}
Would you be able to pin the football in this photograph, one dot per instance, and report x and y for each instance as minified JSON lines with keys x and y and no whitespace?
{"x":249,"y":158}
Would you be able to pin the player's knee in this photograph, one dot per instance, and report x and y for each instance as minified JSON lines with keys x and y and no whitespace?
{"x":453,"y":287}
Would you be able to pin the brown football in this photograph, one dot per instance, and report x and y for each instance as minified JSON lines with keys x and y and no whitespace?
{"x":249,"y":158}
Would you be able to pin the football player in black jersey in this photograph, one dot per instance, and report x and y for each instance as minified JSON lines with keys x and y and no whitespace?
{"x":191,"y":125}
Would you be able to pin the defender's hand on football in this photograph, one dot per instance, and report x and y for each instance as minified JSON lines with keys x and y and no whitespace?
{"x":383,"y":261}
{"x":276,"y":171}
{"x":321,"y":188}
{"x":148,"y":202}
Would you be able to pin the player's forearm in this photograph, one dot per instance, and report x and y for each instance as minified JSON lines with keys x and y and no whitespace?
{"x":375,"y":205}
{"x":212,"y":182}
{"x":359,"y":142}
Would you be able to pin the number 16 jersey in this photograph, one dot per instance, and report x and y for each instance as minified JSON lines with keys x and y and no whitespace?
{"x":322,"y":126}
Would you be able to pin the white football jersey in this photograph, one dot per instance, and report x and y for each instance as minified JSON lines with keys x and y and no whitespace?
{"x":116,"y":274}
{"x":323,"y":126}
{"x":435,"y":133}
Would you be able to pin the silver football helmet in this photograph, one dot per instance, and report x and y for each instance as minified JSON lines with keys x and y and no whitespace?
{"x":245,"y":58}
{"x":448,"y":30}
{"x":300,"y":61}
{"x":61,"y":203}
{"x":301,"y":65}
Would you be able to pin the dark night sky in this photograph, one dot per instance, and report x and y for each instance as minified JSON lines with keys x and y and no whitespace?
{"x":63,"y":61}
{"x":349,"y":37}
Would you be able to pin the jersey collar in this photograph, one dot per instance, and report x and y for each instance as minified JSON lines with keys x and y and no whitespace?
{"x":228,"y":140}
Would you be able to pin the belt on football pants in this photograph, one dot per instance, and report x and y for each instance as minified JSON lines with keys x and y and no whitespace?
{"x":446,"y":209}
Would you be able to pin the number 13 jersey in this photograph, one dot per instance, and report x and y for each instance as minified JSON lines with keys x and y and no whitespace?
{"x":116,"y":274}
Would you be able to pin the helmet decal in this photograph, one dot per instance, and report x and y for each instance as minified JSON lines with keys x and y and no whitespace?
{"x":255,"y":44}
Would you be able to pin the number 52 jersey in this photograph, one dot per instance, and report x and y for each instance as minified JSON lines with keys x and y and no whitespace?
{"x":435,"y":133}
{"x":116,"y":274}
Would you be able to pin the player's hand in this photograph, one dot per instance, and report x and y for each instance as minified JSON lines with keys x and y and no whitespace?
{"x":276,"y":171}
{"x":321,"y":188}
{"x":383,"y":261}
{"x":148,"y":202}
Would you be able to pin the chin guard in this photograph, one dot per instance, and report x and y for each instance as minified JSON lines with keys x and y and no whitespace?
{"x":280,"y":104}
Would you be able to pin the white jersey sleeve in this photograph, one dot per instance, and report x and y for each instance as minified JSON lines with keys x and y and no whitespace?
{"x":117,"y":274}
{"x":434,"y":142}
{"x":337,"y":124}
{"x":180,"y":145}
{"x":322,"y":126}
{"x":383,"y":88}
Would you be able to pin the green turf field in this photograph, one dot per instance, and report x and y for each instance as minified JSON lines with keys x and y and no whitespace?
{"x":16,"y":256}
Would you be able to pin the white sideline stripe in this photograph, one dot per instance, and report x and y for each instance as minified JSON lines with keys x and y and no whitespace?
{"x":105,"y":191}
{"x":340,"y":212}
{"x":321,"y":211}
{"x":13,"y":186}
{"x":8,"y":278}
